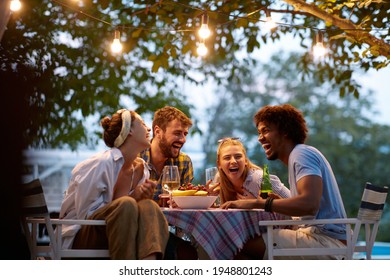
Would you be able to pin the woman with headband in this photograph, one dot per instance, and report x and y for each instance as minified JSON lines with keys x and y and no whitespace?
{"x":113,"y":185}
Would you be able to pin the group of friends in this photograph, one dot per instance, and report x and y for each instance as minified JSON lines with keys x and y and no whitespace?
{"x":122,"y":186}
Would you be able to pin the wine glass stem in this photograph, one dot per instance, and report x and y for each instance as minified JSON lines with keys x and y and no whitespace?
{"x":170,"y":200}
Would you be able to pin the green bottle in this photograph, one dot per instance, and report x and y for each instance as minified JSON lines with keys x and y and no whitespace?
{"x":266,"y":186}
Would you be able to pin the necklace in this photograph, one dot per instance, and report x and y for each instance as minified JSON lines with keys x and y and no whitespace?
{"x":132,"y":179}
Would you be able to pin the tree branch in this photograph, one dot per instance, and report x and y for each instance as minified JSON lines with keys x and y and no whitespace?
{"x":349,"y":28}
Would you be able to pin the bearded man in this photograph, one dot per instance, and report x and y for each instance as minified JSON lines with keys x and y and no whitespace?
{"x":170,"y":129}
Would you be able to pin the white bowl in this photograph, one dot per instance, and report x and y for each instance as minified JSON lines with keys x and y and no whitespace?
{"x":194,"y":201}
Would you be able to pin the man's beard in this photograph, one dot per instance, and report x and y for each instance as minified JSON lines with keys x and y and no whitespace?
{"x":166,"y":149}
{"x":272,"y":156}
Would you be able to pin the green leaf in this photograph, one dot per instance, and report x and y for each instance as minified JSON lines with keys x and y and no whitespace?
{"x":186,"y":48}
{"x":342,"y":91}
{"x":242,"y":22}
{"x":156,"y":65}
{"x":152,"y":57}
{"x":136,"y":33}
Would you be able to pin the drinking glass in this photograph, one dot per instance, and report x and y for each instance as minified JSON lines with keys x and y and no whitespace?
{"x":211,"y":174}
{"x":170,"y":180}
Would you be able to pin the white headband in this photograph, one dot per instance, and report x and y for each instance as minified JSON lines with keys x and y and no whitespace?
{"x":126,"y":123}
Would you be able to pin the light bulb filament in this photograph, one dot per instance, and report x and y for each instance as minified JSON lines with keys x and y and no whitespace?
{"x":116,"y":46}
{"x":319,"y":49}
{"x":270,"y":24}
{"x":204,"y":31}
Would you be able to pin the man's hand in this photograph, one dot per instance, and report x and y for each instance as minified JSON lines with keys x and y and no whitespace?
{"x":243,"y":204}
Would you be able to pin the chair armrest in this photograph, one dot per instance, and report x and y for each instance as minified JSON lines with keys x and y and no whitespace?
{"x":78,"y":222}
{"x":68,"y":222}
{"x":307,"y":222}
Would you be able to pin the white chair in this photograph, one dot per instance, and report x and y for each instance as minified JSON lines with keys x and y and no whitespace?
{"x":35,"y":212}
{"x":369,"y":216}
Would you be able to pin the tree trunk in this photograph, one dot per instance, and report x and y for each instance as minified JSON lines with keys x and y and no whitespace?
{"x":5,"y":13}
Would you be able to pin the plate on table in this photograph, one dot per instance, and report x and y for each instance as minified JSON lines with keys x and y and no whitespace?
{"x":195,"y":201}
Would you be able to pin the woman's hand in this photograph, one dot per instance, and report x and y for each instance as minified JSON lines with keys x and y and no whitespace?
{"x":212,"y":189}
{"x":144,"y":191}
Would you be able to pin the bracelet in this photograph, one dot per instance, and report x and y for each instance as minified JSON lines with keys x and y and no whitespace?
{"x":268,"y":204}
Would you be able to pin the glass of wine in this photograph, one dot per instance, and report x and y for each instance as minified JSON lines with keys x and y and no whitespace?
{"x":170,"y":180}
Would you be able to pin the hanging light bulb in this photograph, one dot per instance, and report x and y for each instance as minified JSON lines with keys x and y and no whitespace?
{"x":202,"y":49}
{"x":116,"y":46}
{"x":15,"y":5}
{"x":204,"y":31}
{"x":319,"y":49}
{"x":269,"y":22}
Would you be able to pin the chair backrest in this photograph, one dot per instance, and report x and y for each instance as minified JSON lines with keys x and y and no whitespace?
{"x":369,"y":215}
{"x":35,"y":213}
{"x":33,"y":200}
{"x":372,"y":203}
{"x":34,"y":206}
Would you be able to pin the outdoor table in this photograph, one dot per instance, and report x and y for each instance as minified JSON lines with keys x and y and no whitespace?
{"x":221,"y":233}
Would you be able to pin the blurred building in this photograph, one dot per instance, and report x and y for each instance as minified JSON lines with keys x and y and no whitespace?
{"x":54,"y":167}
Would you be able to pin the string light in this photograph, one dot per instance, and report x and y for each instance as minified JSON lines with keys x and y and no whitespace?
{"x":116,"y":46}
{"x":15,"y":5}
{"x":319,"y":49}
{"x":270,"y":24}
{"x":204,"y":31}
{"x":202,"y":49}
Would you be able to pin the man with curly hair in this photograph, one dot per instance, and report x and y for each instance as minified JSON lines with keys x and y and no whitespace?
{"x":314,"y":190}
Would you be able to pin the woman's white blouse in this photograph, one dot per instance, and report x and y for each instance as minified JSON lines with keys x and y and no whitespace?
{"x":252,"y":185}
{"x":91,"y":187}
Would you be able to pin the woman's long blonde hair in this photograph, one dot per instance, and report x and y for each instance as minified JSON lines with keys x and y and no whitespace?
{"x":227,"y":191}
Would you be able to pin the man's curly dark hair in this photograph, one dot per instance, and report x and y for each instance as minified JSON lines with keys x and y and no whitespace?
{"x":287,"y":119}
